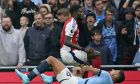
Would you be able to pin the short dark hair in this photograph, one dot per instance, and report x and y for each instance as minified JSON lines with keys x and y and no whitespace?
{"x":137,"y":7}
{"x":129,"y":10}
{"x":109,"y":10}
{"x":6,"y":17}
{"x":74,"y":9}
{"x":50,"y":13}
{"x":94,"y":2}
{"x":78,"y":0}
{"x":63,"y":11}
{"x":121,"y":77}
{"x":37,"y":13}
{"x":91,"y":14}
{"x":95,"y":31}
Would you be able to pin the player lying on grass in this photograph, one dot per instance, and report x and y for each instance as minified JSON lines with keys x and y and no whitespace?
{"x":65,"y":76}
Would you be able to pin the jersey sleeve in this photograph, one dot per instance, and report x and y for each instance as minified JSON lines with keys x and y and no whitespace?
{"x":70,"y":28}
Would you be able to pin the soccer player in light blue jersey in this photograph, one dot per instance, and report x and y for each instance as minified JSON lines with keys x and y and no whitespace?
{"x":65,"y":76}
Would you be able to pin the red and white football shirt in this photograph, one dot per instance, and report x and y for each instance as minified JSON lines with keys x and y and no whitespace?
{"x":70,"y":29}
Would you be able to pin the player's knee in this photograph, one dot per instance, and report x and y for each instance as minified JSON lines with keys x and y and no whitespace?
{"x":50,"y":59}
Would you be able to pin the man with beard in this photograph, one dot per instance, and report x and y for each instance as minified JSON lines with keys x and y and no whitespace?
{"x":12,"y":52}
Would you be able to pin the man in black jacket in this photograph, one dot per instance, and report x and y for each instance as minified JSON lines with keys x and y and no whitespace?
{"x":55,"y":33}
{"x":37,"y":41}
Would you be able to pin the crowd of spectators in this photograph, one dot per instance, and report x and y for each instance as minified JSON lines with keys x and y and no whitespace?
{"x":30,"y":30}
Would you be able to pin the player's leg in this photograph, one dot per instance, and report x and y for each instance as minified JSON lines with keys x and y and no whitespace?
{"x":62,"y":73}
{"x":50,"y":61}
{"x":67,"y":57}
{"x":79,"y":56}
{"x":56,"y":64}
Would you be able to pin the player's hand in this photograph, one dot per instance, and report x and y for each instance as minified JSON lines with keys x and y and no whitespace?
{"x":89,"y":50}
{"x":86,"y":68}
{"x":19,"y":66}
{"x":76,"y":71}
{"x":124,"y":31}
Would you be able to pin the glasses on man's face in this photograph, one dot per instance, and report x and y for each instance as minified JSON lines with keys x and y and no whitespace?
{"x":48,"y":17}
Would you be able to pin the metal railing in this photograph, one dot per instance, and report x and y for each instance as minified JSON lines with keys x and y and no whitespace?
{"x":27,"y":68}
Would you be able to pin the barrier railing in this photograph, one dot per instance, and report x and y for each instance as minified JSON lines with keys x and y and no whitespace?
{"x":26,"y":68}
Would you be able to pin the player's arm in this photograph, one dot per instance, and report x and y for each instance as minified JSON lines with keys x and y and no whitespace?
{"x":95,"y":71}
{"x":76,"y":71}
{"x":68,"y":42}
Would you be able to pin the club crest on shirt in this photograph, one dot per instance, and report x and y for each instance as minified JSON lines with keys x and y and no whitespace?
{"x":72,"y":30}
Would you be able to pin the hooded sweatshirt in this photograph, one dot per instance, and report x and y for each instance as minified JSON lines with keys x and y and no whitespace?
{"x":12,"y":50}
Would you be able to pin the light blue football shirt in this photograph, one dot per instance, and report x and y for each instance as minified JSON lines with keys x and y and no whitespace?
{"x":104,"y":78}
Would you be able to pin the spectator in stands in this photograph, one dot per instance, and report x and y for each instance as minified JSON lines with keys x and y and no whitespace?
{"x":127,"y":3}
{"x":37,"y":41}
{"x":24,"y":21}
{"x":74,"y":2}
{"x":135,"y":3}
{"x":12,"y":51}
{"x":99,"y":10}
{"x":116,"y":5}
{"x":12,"y":13}
{"x":62,"y":16}
{"x":105,"y":3}
{"x":65,"y":76}
{"x":44,"y":1}
{"x":55,"y":34}
{"x":53,"y":5}
{"x":25,"y":8}
{"x":62,"y":4}
{"x":44,"y":9}
{"x":137,"y":33}
{"x":98,"y":45}
{"x":126,"y":35}
{"x":36,"y":2}
{"x":85,"y":30}
{"x":137,"y":20}
{"x":136,"y":60}
{"x":1,"y":15}
{"x":137,"y":13}
{"x":108,"y":28}
{"x":88,"y":6}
